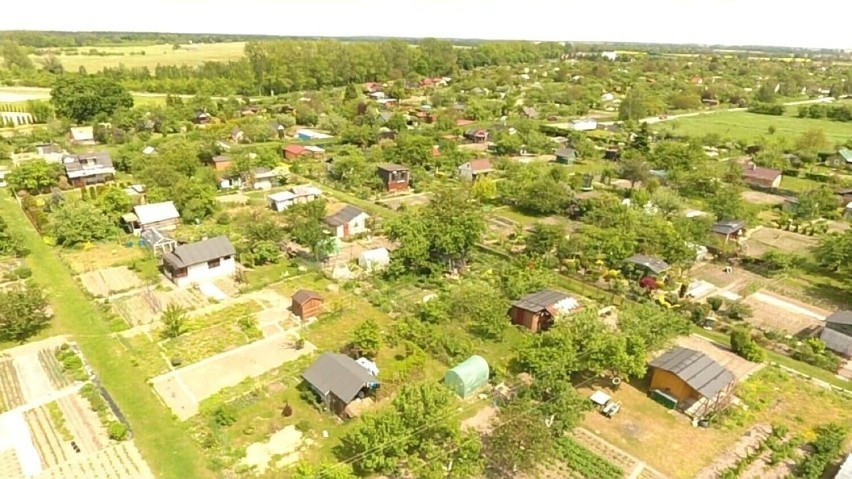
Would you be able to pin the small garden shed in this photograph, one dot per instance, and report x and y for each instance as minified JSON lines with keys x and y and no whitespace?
{"x":467,"y":377}
{"x":306,"y":304}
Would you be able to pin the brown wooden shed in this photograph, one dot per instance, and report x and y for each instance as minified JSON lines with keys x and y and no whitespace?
{"x":306,"y":304}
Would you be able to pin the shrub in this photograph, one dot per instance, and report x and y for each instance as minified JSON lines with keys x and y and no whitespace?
{"x":117,"y":431}
{"x":224,"y":415}
{"x":715,"y":302}
{"x":745,"y":346}
{"x":303,"y":426}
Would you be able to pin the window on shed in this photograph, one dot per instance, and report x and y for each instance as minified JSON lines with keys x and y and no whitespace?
{"x":213,"y":263}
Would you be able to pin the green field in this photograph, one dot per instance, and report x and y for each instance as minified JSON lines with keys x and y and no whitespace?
{"x":741,"y":125}
{"x":150,"y":56}
{"x":164,"y":443}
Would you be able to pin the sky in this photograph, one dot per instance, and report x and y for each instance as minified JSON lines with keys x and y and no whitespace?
{"x":810,"y":24}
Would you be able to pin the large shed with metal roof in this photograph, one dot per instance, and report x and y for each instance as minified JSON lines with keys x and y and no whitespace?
{"x":690,"y":376}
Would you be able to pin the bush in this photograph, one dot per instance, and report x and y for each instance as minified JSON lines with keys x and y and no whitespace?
{"x":303,"y":426}
{"x":715,"y":302}
{"x":224,"y":415}
{"x":744,"y":345}
{"x":117,"y":431}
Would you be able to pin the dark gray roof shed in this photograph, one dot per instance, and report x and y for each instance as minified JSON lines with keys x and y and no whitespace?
{"x":338,"y":374}
{"x":392,"y":167}
{"x":540,"y":300}
{"x":840,"y":317}
{"x":695,"y":368}
{"x":728,"y":227}
{"x":344,"y":216}
{"x":654,"y":264}
{"x":837,"y":341}
{"x":201,"y":252}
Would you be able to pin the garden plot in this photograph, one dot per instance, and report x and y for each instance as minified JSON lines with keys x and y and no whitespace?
{"x":785,"y":314}
{"x":766,"y":239}
{"x":736,"y":281}
{"x":118,"y":461}
{"x":409,"y":200}
{"x":148,"y":304}
{"x":10,"y":389}
{"x":101,"y":256}
{"x":183,"y":389}
{"x":106,"y":282}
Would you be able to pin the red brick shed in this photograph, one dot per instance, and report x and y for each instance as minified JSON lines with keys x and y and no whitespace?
{"x":306,"y":304}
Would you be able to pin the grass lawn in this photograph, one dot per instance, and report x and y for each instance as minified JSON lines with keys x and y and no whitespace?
{"x":741,"y":125}
{"x":150,"y":55}
{"x":166,"y":446}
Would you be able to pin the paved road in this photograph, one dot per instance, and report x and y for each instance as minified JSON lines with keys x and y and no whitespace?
{"x":656,"y":119}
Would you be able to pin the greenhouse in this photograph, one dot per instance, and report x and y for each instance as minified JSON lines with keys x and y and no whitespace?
{"x":466,"y":378}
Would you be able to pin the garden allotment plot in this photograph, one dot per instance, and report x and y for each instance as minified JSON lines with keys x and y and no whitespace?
{"x":48,"y":429}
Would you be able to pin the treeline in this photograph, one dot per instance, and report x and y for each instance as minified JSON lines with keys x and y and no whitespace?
{"x":293,"y":65}
{"x":832,"y":112}
{"x":34,"y":39}
{"x":775,"y":109}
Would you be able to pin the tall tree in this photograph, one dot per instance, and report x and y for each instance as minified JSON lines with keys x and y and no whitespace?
{"x":635,"y":170}
{"x":81,"y":98}
{"x":36,"y":176}
{"x":23,"y":312}
{"x":79,"y":222}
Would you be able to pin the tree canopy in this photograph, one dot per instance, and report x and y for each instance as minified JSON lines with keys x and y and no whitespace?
{"x":82,"y":98}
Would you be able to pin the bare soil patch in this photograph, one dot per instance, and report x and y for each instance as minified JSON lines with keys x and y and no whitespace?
{"x":105,"y":282}
{"x":762,"y":198}
{"x":790,"y":317}
{"x":747,"y":443}
{"x":735,"y":281}
{"x":409,"y":200}
{"x":285,"y":444}
{"x":183,"y":389}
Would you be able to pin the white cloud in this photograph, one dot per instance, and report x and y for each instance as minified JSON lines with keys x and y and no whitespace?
{"x":816,"y":23}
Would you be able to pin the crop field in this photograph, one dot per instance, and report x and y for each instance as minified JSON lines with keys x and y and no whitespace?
{"x":741,"y":125}
{"x":100,"y":256}
{"x":104,"y":282}
{"x":97,"y":58}
{"x":10,"y":389}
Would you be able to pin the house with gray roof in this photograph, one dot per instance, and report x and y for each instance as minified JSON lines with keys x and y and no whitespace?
{"x":88,"y":168}
{"x":339,"y":380}
{"x":691,"y":377}
{"x":200,"y":262}
{"x":349,"y":221}
{"x":538,"y":311}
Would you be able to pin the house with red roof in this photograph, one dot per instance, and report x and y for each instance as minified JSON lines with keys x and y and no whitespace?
{"x":473,"y":169}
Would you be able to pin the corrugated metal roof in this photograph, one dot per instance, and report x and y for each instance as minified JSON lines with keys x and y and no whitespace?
{"x":695,"y":368}
{"x":154,"y":212}
{"x":344,"y":216}
{"x":728,"y":227}
{"x":837,"y":341}
{"x":540,"y":300}
{"x":281,"y":196}
{"x":338,"y":374}
{"x":200,"y":252}
{"x":840,"y":317}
